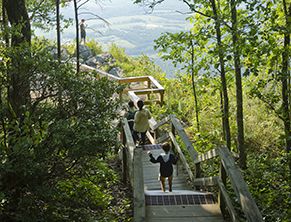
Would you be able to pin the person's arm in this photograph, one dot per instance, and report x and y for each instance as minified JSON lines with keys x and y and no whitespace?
{"x":174,"y":159}
{"x":152,"y":159}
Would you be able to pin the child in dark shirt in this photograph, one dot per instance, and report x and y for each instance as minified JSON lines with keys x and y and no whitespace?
{"x":166,"y":161}
{"x":130,"y":115}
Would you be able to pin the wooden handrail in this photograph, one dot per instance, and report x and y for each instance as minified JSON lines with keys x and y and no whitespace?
{"x":130,"y":145}
{"x":181,"y":132}
{"x":135,"y":171}
{"x":138,"y":187}
{"x":227,"y":200}
{"x":182,"y":157}
{"x":153,"y":86}
{"x":247,"y":203}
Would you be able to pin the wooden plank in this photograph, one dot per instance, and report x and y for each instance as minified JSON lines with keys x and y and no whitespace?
{"x":206,"y":181}
{"x":134,"y":79}
{"x":152,"y":122}
{"x":138,"y":186}
{"x":178,"y":211}
{"x":133,"y":96}
{"x":146,"y":91}
{"x":150,"y":137}
{"x":182,"y":157}
{"x":181,"y":132}
{"x":247,"y":203}
{"x":130,"y":148}
{"x":206,"y":156}
{"x":163,"y":138}
{"x":84,"y":67}
{"x":230,"y":207}
{"x":156,"y":83}
{"x":126,"y":90}
{"x":186,"y":219}
{"x":161,"y":123}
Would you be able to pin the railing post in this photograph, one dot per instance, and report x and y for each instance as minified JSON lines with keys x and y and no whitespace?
{"x":174,"y":133}
{"x":124,"y":165}
{"x":149,"y":86}
{"x":222,"y":176}
{"x":162,"y":98}
{"x":138,"y":186}
{"x":124,"y":154}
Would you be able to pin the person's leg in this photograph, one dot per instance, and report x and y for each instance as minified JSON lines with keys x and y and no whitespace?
{"x":170,"y":179}
{"x":135,"y":136}
{"x":162,"y":181}
{"x":143,"y":137}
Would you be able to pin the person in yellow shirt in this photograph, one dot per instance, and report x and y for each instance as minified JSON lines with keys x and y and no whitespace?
{"x":141,"y":123}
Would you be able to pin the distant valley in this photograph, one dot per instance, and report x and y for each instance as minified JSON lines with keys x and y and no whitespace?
{"x":131,"y":27}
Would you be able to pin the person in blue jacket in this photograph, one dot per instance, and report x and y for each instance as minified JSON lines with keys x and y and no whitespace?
{"x":166,"y":160}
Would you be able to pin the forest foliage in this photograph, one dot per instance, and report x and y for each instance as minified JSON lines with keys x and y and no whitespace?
{"x":57,"y":147}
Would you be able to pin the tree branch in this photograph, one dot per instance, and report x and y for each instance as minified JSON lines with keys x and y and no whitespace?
{"x":203,"y":14}
{"x":37,"y":7}
{"x":82,"y":4}
{"x":97,"y":17}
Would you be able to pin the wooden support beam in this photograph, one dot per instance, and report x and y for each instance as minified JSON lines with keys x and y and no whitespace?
{"x":134,"y":79}
{"x":145,"y":91}
{"x":206,"y":181}
{"x":163,"y":138}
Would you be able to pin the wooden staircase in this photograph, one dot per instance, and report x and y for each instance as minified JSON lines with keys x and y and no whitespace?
{"x":183,"y":204}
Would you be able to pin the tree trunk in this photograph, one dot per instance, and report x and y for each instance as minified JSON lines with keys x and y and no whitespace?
{"x":19,"y":92}
{"x":222,"y":75}
{"x":284,"y":79}
{"x":239,"y":97}
{"x":58,"y":29}
{"x":4,"y":25}
{"x":193,"y":86}
{"x":77,"y":36}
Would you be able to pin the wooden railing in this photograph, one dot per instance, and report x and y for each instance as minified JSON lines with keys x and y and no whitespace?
{"x":228,"y":165}
{"x":144,"y":86}
{"x":133,"y":171}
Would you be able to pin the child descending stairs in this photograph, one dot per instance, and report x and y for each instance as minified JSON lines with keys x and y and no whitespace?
{"x":180,"y":205}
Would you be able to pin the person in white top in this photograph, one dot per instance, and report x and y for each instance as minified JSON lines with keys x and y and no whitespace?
{"x":141,"y":123}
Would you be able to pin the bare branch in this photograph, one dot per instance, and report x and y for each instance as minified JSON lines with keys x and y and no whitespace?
{"x":154,"y":3}
{"x":83,"y":4}
{"x":97,"y":17}
{"x":96,"y":31}
{"x":203,"y":14}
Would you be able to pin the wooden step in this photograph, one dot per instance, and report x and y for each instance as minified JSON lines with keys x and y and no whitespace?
{"x":181,"y":213}
{"x":181,"y":205}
